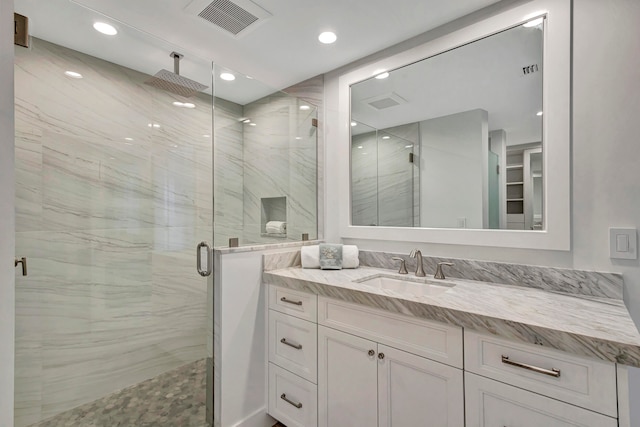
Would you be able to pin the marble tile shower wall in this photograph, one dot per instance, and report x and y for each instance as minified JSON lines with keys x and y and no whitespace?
{"x":280,"y":158}
{"x":109,"y":227}
{"x":383,"y":178}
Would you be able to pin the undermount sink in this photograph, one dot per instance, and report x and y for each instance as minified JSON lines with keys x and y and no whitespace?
{"x":409,"y":285}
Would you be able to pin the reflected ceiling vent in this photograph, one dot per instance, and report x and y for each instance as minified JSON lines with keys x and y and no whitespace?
{"x":387,"y":100}
{"x":530,"y":69}
{"x":236,"y":17}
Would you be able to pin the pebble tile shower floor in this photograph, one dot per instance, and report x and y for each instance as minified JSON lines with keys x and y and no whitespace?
{"x":173,"y":399}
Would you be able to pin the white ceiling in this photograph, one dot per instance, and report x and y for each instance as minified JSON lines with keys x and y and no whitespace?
{"x":281,"y":51}
{"x":486,"y":74}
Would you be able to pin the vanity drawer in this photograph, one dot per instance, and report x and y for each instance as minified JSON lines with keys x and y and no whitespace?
{"x":293,"y":345}
{"x":433,"y":340}
{"x":490,"y":403}
{"x":294,"y":303}
{"x":292,"y":400}
{"x":587,"y":383}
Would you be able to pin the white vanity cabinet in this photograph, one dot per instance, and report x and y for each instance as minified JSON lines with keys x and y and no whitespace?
{"x":335,"y":363}
{"x":364,"y":381}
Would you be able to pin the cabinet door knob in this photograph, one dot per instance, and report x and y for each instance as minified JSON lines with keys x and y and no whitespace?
{"x":372,"y":353}
{"x":380,"y":356}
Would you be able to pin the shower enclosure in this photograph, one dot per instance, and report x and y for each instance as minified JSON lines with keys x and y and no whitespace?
{"x":115,"y":187}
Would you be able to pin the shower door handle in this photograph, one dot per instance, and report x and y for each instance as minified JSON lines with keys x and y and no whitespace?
{"x":209,"y":269}
{"x":22,"y":261}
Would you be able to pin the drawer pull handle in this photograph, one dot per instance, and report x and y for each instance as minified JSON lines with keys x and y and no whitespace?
{"x":283,"y":396}
{"x":288,"y":301}
{"x":552,"y":373}
{"x":296,"y":346}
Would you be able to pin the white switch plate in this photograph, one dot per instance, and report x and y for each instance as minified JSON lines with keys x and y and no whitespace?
{"x":623,"y":243}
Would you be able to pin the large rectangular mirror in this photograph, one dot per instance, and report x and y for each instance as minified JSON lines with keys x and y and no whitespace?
{"x":464,"y":139}
{"x":442,"y":142}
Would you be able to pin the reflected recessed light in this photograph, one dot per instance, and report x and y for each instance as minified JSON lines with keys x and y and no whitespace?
{"x":408,"y":146}
{"x":364,"y":153}
{"x":206,"y":136}
{"x":246,"y":121}
{"x":105,"y":28}
{"x":153,"y":125}
{"x":252,"y":124}
{"x":227,"y":76}
{"x":128,"y":139}
{"x":327,"y":37}
{"x":175,"y":145}
{"x":73,"y":74}
{"x":539,"y":113}
{"x":354,"y":124}
{"x":386,"y":137}
{"x":249,"y":77}
{"x":305,"y":107}
{"x":533,"y":22}
{"x":359,"y":146}
{"x":382,"y":76}
{"x":298,"y":138}
{"x":184,"y":104}
{"x":178,"y":104}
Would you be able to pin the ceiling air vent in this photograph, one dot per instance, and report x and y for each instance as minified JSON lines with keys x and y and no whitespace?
{"x":386,"y":100}
{"x":235,"y":17}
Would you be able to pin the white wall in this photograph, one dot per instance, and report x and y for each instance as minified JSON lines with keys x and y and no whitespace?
{"x":453,"y":170}
{"x":605,"y":153}
{"x":7,"y":226}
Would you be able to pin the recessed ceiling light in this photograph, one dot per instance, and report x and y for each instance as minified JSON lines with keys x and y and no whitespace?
{"x":327,"y":37}
{"x":533,"y":23}
{"x":354,"y":124}
{"x":105,"y":28}
{"x":539,"y":113}
{"x":227,"y":76}
{"x":305,"y":107}
{"x":359,"y":146}
{"x":73,"y":74}
{"x":386,"y":137}
{"x":382,"y":76}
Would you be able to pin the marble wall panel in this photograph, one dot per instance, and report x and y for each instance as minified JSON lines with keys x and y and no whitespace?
{"x":109,"y":226}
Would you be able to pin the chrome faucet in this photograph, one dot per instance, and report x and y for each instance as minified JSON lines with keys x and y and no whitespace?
{"x":439,"y":274}
{"x":419,"y":268}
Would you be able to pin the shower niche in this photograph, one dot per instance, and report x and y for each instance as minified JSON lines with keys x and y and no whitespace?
{"x":273,"y":221}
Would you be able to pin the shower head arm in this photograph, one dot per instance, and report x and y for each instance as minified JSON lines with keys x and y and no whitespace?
{"x":176,"y":61}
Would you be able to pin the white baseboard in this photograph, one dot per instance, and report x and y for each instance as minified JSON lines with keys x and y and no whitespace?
{"x":259,"y":418}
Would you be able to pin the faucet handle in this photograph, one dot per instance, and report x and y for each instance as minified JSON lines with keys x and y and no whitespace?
{"x":439,"y":274}
{"x":403,"y":265}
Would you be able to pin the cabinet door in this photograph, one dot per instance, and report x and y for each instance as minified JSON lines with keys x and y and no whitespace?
{"x":412,"y":389}
{"x":347,"y":380}
{"x":491,"y":403}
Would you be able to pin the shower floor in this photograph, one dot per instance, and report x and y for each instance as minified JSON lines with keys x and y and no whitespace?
{"x":173,"y":399}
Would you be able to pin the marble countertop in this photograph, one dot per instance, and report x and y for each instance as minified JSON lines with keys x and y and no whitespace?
{"x":591,"y":327}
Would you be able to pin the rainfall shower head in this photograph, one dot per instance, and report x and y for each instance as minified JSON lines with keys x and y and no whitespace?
{"x":174,"y":82}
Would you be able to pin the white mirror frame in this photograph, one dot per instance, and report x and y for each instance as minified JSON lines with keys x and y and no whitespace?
{"x":556,"y":133}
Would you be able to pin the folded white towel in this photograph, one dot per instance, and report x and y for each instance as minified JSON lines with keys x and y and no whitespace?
{"x":350,"y":256}
{"x":276,"y":227}
{"x":310,"y":256}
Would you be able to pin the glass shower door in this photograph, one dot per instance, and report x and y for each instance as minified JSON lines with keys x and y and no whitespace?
{"x":113,"y":192}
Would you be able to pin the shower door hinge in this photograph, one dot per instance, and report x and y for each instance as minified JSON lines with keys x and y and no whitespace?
{"x":498,"y":169}
{"x":411,"y":158}
{"x":20,"y":30}
{"x":314,"y":123}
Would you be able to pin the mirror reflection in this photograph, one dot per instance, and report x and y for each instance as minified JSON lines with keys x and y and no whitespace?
{"x":454,"y":140}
